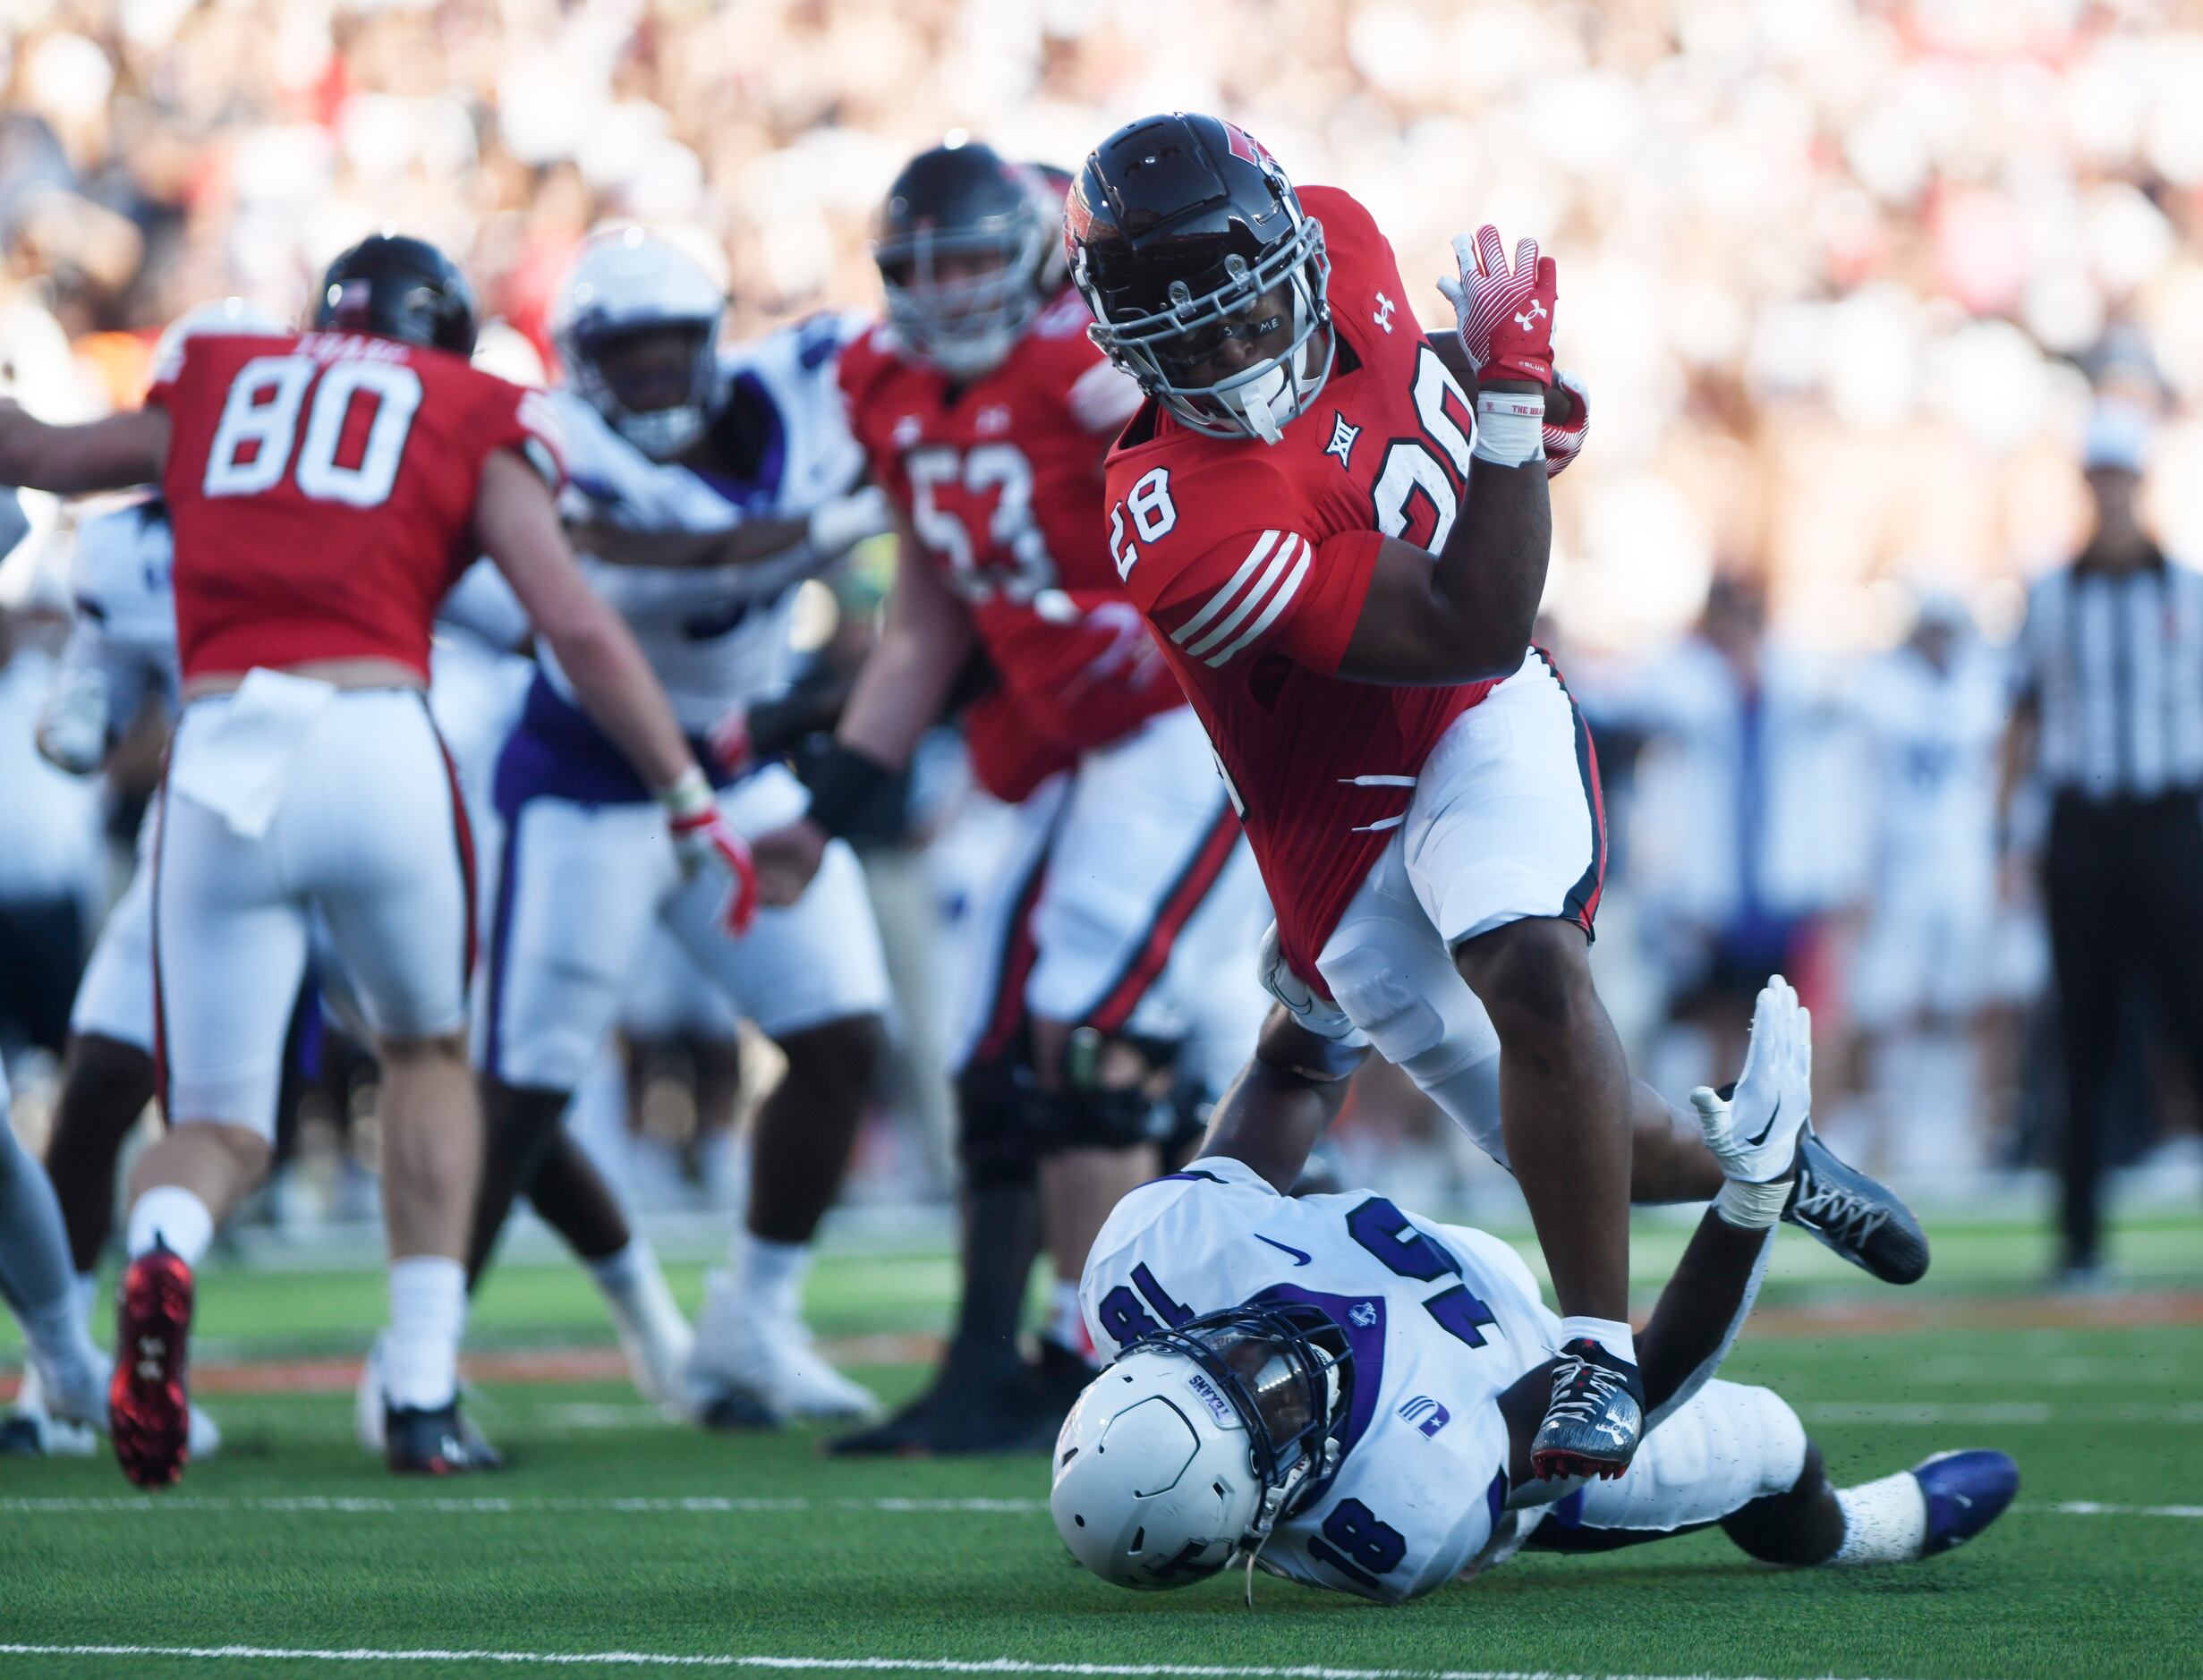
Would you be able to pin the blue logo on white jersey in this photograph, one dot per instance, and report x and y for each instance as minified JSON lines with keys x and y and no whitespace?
{"x":1433,"y":1417}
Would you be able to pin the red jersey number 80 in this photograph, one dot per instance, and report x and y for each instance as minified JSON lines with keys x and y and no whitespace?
{"x":252,"y":444}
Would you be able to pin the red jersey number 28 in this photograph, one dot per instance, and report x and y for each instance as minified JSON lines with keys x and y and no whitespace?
{"x":260,"y":419}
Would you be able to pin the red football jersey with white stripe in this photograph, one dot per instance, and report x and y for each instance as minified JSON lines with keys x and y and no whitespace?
{"x":1251,"y":561}
{"x":321,"y":486}
{"x":1000,"y":480}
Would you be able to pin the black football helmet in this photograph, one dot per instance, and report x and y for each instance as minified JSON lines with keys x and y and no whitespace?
{"x":396,"y":286}
{"x":1183,"y":233}
{"x":964,"y":201}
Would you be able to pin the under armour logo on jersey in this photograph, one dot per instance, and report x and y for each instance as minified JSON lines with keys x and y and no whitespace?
{"x":1364,"y":1314}
{"x":1383,"y":313}
{"x":1526,"y":317}
{"x":994,"y":419}
{"x":1425,"y":1414}
{"x":1342,"y":437}
{"x":908,"y":430}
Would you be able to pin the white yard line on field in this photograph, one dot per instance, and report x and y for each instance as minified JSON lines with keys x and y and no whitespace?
{"x":831,"y":1665}
{"x":702,"y":1504}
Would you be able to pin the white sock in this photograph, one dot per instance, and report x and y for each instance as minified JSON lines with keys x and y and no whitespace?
{"x":621,"y":1273}
{"x":428,"y":1316}
{"x":771,"y":1273}
{"x":1066,"y":1325}
{"x":1884,"y":1521}
{"x":170,"y":1214}
{"x":1610,"y":1333}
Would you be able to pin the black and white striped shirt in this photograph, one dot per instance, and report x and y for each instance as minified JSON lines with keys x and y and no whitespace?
{"x":2114,"y":662}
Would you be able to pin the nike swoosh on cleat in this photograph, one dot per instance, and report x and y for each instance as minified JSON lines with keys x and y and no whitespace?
{"x":1769,"y":1127}
{"x":1299,"y":1259}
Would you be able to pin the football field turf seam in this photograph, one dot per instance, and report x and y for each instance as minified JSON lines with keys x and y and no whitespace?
{"x":834,"y":1665}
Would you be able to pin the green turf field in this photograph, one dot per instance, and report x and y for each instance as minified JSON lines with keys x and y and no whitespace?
{"x":613,"y":1533}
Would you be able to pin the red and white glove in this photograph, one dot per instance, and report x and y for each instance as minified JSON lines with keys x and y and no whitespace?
{"x":1504,"y":315}
{"x":1564,"y":442}
{"x":704,"y":839}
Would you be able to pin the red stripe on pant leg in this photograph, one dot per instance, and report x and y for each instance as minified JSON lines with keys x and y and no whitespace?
{"x":1152,"y":954}
{"x":160,"y":1013}
{"x":1019,"y":953}
{"x":1582,"y":904}
{"x":463,"y":832}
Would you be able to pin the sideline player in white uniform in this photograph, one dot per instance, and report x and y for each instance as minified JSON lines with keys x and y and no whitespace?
{"x":1934,"y":710}
{"x":703,"y":485}
{"x":1348,"y":1395}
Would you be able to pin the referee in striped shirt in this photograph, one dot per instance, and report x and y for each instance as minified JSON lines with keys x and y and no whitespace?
{"x":2109,"y":718}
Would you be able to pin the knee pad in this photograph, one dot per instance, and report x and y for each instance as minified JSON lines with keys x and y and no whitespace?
{"x":1094,"y":1109}
{"x":1416,"y":1010}
{"x":993,"y":1141}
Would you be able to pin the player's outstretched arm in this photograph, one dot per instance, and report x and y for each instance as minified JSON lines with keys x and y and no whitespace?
{"x":924,"y":641}
{"x":798,"y":545}
{"x":113,"y":453}
{"x":1277,"y":1109}
{"x":518,"y":527}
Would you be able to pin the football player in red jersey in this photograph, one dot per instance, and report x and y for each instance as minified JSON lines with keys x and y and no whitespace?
{"x":1347,"y":604}
{"x":325,"y":489}
{"x":1117,"y":933}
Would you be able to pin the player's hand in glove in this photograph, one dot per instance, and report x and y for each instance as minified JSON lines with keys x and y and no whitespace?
{"x":1318,"y":1015}
{"x":1504,"y":315}
{"x":788,"y":858}
{"x":704,"y":839}
{"x":73,"y":724}
{"x":1564,"y":440}
{"x":1754,"y":1133}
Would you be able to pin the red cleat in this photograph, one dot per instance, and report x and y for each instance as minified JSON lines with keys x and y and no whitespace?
{"x":148,"y":1415}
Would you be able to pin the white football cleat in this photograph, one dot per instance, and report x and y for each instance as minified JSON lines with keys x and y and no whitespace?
{"x":370,"y":1426}
{"x":202,"y":1437}
{"x":751,"y":1366}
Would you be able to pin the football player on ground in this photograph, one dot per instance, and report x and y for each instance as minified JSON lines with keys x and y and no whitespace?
{"x":705,"y":486}
{"x":1342,"y":553}
{"x":325,"y":489}
{"x":1127,"y":905}
{"x":1353,"y":1397}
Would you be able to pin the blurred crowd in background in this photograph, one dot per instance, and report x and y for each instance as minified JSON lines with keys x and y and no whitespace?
{"x":1845,"y":279}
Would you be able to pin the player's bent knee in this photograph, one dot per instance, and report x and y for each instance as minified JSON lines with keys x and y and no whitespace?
{"x":1534,"y":977}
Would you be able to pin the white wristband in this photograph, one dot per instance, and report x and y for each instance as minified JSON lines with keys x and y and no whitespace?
{"x":688,"y":794}
{"x":1753,"y":1207}
{"x":1511,"y":427}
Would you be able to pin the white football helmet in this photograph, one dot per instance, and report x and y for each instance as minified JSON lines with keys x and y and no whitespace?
{"x":1191,"y":1446}
{"x":628,"y":281}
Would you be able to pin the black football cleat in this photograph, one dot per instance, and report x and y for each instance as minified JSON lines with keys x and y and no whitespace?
{"x":418,"y":1441}
{"x":149,"y":1412}
{"x":1017,"y":1408}
{"x":1595,"y":1418}
{"x":1855,"y":1216}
